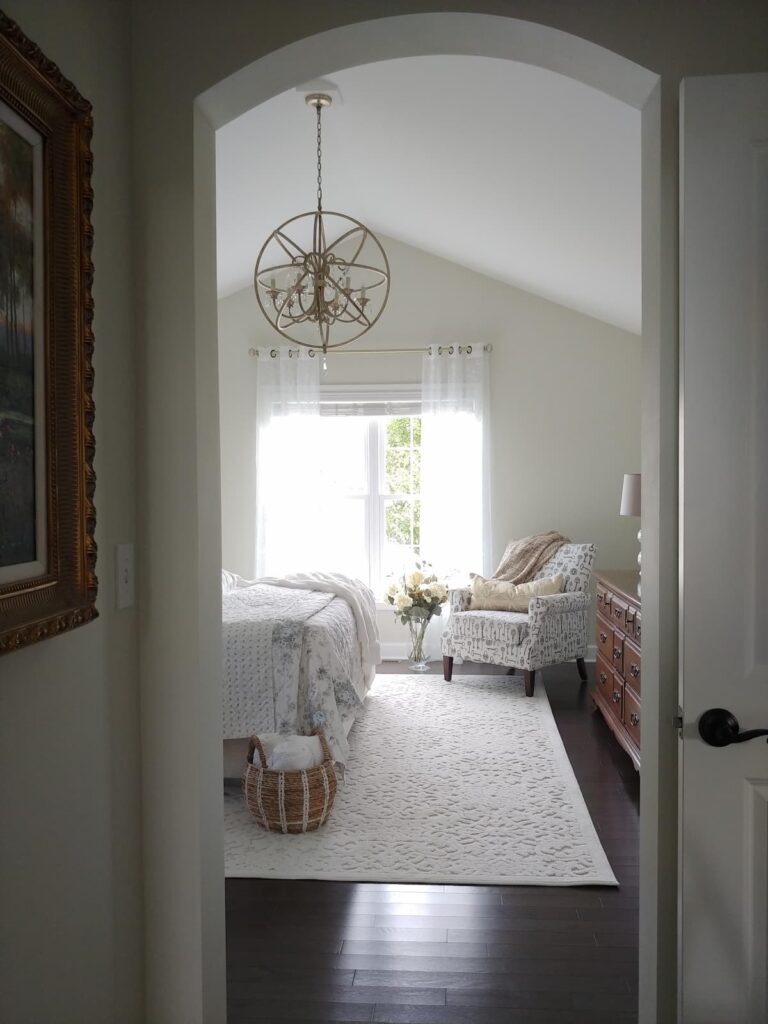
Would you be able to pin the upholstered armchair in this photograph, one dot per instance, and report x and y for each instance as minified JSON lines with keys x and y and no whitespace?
{"x":552,"y":631}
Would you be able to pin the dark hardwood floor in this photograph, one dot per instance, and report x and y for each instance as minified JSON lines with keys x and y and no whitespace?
{"x":307,"y":951}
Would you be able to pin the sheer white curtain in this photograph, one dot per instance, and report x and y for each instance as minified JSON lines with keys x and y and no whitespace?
{"x":288,"y":457}
{"x":455,"y":467}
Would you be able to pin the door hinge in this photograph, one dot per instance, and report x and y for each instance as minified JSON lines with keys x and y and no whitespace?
{"x":679,"y":721}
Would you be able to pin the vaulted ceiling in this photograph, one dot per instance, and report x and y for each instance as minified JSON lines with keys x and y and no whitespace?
{"x":515,"y":172}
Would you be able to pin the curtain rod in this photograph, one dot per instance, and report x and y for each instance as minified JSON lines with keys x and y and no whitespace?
{"x":450,"y":349}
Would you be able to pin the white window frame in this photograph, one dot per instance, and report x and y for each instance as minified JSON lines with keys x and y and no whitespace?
{"x":376,"y":400}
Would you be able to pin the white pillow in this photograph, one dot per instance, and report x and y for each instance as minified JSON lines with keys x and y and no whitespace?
{"x":228,"y":581}
{"x":231,"y":581}
{"x":500,"y":596}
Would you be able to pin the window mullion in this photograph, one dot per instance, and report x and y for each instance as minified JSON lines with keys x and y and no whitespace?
{"x":374,"y":504}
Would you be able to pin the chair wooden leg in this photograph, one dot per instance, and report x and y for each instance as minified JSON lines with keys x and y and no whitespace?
{"x":582,"y":670}
{"x":447,"y":668}
{"x":530,"y":681}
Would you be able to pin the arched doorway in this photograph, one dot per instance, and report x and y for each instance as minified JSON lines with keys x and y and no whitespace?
{"x":367,"y":42}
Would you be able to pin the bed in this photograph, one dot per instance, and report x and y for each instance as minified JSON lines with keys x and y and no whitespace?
{"x":299,"y":653}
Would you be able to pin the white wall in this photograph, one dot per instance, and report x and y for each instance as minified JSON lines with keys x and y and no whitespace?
{"x":565,"y":403}
{"x":70,"y":823}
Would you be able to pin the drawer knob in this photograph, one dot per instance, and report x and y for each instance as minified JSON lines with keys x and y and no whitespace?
{"x":603,"y":677}
{"x":634,"y":719}
{"x":617,"y":652}
{"x":616,"y":696}
{"x":603,"y":638}
{"x":634,"y":670}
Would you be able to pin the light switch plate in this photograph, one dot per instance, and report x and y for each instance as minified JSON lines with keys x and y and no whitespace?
{"x":124,"y":576}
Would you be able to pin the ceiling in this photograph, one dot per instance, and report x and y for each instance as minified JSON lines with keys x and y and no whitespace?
{"x":508,"y":169}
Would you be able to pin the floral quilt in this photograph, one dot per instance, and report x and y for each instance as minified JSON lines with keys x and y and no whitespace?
{"x":292,"y":663}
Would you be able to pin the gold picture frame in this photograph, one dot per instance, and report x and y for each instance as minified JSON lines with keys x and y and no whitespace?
{"x":47,"y":519}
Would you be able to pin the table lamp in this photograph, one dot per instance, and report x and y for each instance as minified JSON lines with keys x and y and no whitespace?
{"x":630,"y":506}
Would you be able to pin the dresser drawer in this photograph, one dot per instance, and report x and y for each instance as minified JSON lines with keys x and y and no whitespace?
{"x":629,"y":620}
{"x":603,"y":601}
{"x":632,"y":666}
{"x":617,"y":651}
{"x":604,"y":640}
{"x":631,"y":714}
{"x":616,"y":697}
{"x":604,"y":678}
{"x":619,"y":613}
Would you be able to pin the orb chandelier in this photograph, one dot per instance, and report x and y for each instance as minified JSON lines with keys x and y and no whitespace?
{"x":321,"y":279}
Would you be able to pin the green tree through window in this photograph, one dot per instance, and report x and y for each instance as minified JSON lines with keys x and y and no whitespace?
{"x":401,"y":481}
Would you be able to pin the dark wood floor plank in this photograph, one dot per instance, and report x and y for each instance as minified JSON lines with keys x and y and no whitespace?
{"x":284,"y":960}
{"x":281,"y":1009}
{"x":524,"y":981}
{"x":533,"y":938}
{"x":620,"y":1002}
{"x":546,"y":951}
{"x":605,"y":915}
{"x":243,"y":993}
{"x":568,"y":921}
{"x":454,"y":954}
{"x":393,"y":933}
{"x":554,"y":897}
{"x":493,"y":1015}
{"x":461,"y":950}
{"x":284,"y":977}
{"x":455,"y":910}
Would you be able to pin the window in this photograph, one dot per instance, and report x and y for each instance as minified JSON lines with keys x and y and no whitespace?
{"x":353,"y":481}
{"x":369,"y":493}
{"x":344,"y":487}
{"x":399,"y":504}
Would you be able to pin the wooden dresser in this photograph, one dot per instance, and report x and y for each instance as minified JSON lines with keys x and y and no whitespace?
{"x":616,"y":693}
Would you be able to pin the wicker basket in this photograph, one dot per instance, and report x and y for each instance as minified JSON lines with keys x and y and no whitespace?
{"x":297,"y":801}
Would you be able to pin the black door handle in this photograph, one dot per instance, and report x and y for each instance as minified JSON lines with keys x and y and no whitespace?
{"x":719,"y":728}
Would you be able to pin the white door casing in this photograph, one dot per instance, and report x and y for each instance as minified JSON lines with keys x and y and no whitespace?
{"x":724,"y":547}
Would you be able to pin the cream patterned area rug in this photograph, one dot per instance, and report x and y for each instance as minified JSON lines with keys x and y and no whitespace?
{"x":463,"y":782}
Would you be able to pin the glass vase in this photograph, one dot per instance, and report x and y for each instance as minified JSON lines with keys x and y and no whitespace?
{"x":418,"y":627}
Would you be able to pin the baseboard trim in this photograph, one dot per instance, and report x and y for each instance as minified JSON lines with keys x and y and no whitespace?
{"x":400,"y":651}
{"x":394,"y":651}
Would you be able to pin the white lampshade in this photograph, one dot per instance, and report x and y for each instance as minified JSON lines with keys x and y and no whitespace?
{"x":630,"y":495}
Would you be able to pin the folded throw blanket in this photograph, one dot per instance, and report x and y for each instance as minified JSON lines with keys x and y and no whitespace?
{"x":523,"y":558}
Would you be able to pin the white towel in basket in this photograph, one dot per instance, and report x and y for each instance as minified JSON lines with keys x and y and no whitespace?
{"x":290,"y":753}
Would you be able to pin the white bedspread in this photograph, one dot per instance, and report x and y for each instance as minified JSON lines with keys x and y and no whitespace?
{"x":293,"y":657}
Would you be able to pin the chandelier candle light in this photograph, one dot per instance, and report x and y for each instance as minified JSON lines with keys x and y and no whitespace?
{"x":319,"y":293}
{"x":416,"y":597}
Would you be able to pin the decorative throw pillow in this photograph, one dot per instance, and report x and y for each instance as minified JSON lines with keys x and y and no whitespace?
{"x":499,"y":596}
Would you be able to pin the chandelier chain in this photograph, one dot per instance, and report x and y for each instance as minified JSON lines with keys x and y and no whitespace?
{"x":319,"y":159}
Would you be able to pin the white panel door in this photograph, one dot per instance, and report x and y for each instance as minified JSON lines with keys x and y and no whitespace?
{"x":724,"y":547}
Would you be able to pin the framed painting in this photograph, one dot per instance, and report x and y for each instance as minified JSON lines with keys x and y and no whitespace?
{"x":47,"y":518}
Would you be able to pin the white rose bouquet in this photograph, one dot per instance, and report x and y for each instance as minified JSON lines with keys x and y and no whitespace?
{"x":415,"y":598}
